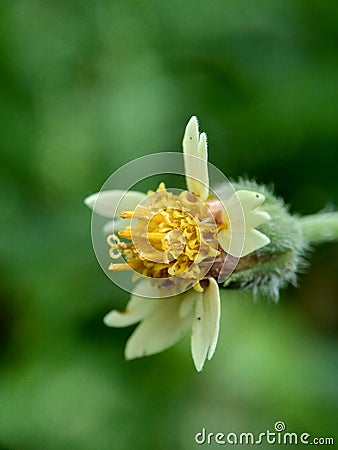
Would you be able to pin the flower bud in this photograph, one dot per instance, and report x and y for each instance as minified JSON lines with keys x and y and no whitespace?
{"x":273,"y":266}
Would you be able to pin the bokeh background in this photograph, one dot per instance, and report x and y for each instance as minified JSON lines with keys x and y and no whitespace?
{"x":88,"y":86}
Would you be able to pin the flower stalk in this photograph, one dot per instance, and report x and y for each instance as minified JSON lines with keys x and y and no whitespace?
{"x":319,"y":228}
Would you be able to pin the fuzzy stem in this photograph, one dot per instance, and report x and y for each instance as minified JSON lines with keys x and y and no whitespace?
{"x":321,"y":227}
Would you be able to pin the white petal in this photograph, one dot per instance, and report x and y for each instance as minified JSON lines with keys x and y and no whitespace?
{"x":254,"y":240}
{"x":255,"y":218}
{"x":144,"y":288}
{"x":232,"y":242}
{"x":160,"y":330}
{"x":136,"y":310}
{"x":241,"y":209}
{"x":205,"y":327}
{"x":250,"y":201}
{"x":199,"y":338}
{"x":196,"y":160}
{"x":111,"y":203}
{"x":188,"y":302}
{"x":113,"y":226}
{"x":243,"y":215}
{"x":213,"y":306}
{"x":191,"y":137}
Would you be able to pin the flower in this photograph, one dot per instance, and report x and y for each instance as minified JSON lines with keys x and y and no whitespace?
{"x":177,"y":244}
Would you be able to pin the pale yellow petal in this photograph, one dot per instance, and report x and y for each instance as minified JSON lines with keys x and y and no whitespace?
{"x":113,"y":226}
{"x":196,"y":160}
{"x":187,"y":303}
{"x":205,"y":327}
{"x":250,"y":199}
{"x":250,"y":202}
{"x":243,"y":212}
{"x":254,"y":240}
{"x":111,"y":203}
{"x":232,"y":241}
{"x":160,"y":330}
{"x":136,"y":310}
{"x":199,"y":338}
{"x":213,"y":307}
{"x":144,"y":288}
{"x":236,"y":245}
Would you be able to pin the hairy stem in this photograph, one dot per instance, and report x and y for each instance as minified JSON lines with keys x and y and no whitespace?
{"x":321,"y":227}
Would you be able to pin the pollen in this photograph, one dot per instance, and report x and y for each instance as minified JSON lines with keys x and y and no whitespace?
{"x":168,"y":236}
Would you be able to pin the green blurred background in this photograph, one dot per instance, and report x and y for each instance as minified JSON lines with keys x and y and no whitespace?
{"x":87,"y":86}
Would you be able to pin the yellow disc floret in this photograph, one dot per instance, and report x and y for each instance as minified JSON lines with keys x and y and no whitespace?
{"x":169,"y":236}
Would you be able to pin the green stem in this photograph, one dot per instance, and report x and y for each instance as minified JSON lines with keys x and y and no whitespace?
{"x":321,"y":227}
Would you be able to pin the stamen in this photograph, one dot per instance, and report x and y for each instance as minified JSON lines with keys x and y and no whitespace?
{"x":224,"y":226}
{"x":124,"y":266}
{"x":166,"y":241}
{"x":125,"y":234}
{"x":114,"y":252}
{"x":198,"y":288}
{"x":158,"y":258}
{"x":127,"y":214}
{"x":156,"y":236}
{"x":113,"y":241}
{"x":115,"y":245}
{"x":157,"y":218}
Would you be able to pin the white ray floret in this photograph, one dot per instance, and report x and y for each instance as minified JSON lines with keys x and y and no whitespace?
{"x":241,"y":237}
{"x":196,"y":160}
{"x":111,"y":203}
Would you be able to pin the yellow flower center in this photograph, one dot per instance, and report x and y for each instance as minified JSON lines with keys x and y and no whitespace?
{"x":170,"y":236}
